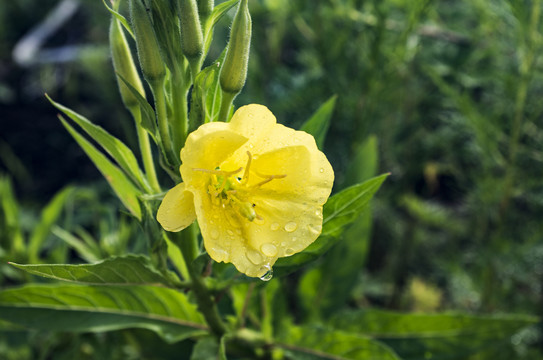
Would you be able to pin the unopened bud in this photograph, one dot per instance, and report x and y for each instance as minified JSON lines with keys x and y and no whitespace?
{"x":151,"y":62}
{"x":123,"y":63}
{"x":205,"y":7}
{"x":234,"y":69}
{"x":192,"y":40}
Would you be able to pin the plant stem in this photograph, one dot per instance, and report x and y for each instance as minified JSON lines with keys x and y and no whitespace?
{"x":226,"y":103}
{"x":189,"y":247}
{"x":145,"y":149}
{"x":162,"y":119}
{"x":180,"y":117}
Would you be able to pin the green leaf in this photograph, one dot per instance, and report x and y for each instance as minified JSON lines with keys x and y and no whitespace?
{"x":345,"y":207}
{"x":85,"y":251}
{"x":341,"y":210}
{"x":113,"y":146}
{"x":318,"y":124}
{"x":441,"y":336}
{"x":320,"y":343}
{"x":205,"y":349}
{"x":121,"y":19}
{"x":127,"y":270}
{"x":148,"y":117}
{"x":218,"y":12}
{"x":123,"y":187}
{"x":11,"y":236}
{"x":49,"y":216}
{"x":79,"y":308}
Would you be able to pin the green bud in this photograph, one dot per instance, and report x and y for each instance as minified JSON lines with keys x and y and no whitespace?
{"x":123,"y":63}
{"x":205,"y":7}
{"x":234,"y":69}
{"x":166,"y":25}
{"x":151,"y":62}
{"x":192,"y":40}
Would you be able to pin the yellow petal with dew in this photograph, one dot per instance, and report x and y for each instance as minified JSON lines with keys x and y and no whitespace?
{"x":206,"y":148}
{"x":176,"y":211}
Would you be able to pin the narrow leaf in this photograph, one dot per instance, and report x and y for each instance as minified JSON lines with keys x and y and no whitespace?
{"x":126,"y":270}
{"x":121,"y":19}
{"x":444,"y":336}
{"x":344,"y":207}
{"x":85,"y":251}
{"x":123,"y":187}
{"x":148,"y":117}
{"x":11,"y":237}
{"x":49,"y":216}
{"x":319,"y":343}
{"x":318,"y":124}
{"x":113,"y":146}
{"x":218,"y":12}
{"x":78,"y":308}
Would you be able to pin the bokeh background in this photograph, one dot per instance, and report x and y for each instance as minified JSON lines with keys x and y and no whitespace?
{"x":444,"y":95}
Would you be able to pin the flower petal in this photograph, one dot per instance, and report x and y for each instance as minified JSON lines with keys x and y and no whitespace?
{"x":207,"y":147}
{"x":176,"y":211}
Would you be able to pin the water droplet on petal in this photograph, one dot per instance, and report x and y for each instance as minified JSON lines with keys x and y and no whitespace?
{"x":289,"y":252}
{"x":219,"y":254}
{"x":269,"y":250}
{"x":268,"y":274}
{"x":290,"y":226}
{"x":258,"y":221}
{"x":251,"y":146}
{"x":274,"y":226}
{"x":255,"y":257}
{"x":214,"y":233}
{"x":316,"y":229}
{"x":230,"y":232}
{"x":321,"y":170}
{"x":318,"y":213}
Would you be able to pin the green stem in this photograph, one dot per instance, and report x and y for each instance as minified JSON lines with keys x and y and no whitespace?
{"x":180,"y":112}
{"x":189,"y":247}
{"x":162,"y":120}
{"x":145,"y":149}
{"x":226,"y":103}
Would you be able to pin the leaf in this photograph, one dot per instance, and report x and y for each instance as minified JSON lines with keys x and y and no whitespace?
{"x":11,"y":236}
{"x":80,"y":308}
{"x":318,"y":124}
{"x":126,"y":270}
{"x":121,"y":19}
{"x":84,"y":250}
{"x":113,"y":146}
{"x":344,"y":207}
{"x":320,"y":343}
{"x":123,"y":187}
{"x":441,"y":336}
{"x":206,"y":348}
{"x":218,"y":12}
{"x":340,"y":210}
{"x":49,"y":216}
{"x":148,"y":117}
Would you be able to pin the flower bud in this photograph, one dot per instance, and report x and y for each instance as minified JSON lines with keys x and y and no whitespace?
{"x":192,"y":40}
{"x":234,"y":69}
{"x":151,"y":62}
{"x":123,"y":63}
{"x":205,"y":7}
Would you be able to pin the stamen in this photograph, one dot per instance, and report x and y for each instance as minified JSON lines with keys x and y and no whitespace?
{"x":245,"y":178}
{"x":269,"y":178}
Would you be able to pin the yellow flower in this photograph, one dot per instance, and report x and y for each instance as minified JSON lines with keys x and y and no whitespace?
{"x":256,"y":187}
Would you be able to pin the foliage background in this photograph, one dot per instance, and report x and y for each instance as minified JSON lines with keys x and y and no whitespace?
{"x":444,"y":95}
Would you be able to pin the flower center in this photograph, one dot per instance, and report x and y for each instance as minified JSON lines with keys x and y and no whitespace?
{"x":229,"y":189}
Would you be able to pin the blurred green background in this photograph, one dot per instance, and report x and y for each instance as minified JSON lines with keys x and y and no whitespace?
{"x":444,"y":95}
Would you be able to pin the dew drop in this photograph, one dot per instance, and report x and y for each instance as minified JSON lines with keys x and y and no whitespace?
{"x":268,"y":274}
{"x":214,"y":233}
{"x":318,"y":213}
{"x":219,"y":254}
{"x":230,"y":232}
{"x":290,"y":226}
{"x":316,"y":229}
{"x":269,"y":250}
{"x":289,"y":252}
{"x":251,"y":146}
{"x":321,"y":170}
{"x":274,"y":226}
{"x":258,"y":221}
{"x":254,"y":257}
